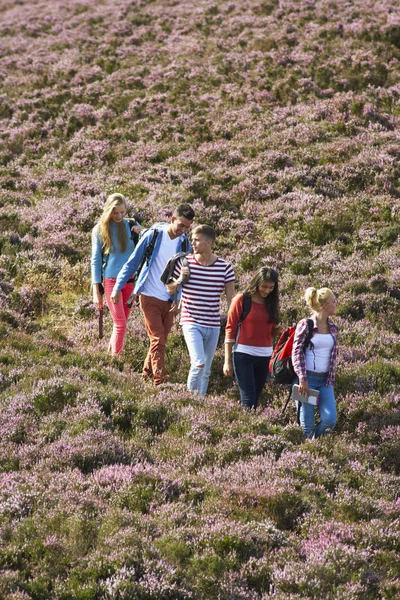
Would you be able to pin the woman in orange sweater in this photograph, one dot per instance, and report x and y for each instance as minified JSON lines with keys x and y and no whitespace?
{"x":248,"y":339}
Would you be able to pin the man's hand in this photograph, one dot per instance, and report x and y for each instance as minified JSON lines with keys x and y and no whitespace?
{"x":115,"y":296}
{"x":185,"y":271}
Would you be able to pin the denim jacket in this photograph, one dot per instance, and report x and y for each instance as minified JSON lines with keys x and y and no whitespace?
{"x":133,"y":262}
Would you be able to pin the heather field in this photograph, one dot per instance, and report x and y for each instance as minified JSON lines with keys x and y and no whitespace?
{"x":279,"y":122}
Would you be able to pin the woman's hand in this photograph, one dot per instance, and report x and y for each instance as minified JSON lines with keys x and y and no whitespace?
{"x":97,"y":297}
{"x":277,"y":330}
{"x":303,"y":388}
{"x":137,"y":228}
{"x":228,"y":369}
{"x":115,"y":296}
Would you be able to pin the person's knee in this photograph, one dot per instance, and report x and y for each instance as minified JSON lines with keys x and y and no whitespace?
{"x":157,"y":342}
{"x":330,"y":422}
{"x":329,"y":418}
{"x":120,"y":327}
{"x":197,"y":370}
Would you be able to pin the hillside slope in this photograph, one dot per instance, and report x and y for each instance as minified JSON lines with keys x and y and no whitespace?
{"x":279,"y":122}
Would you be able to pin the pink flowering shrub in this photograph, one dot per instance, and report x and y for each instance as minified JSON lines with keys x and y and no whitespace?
{"x":278,"y":122}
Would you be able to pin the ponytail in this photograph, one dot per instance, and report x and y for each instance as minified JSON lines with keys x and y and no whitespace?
{"x":316,"y":298}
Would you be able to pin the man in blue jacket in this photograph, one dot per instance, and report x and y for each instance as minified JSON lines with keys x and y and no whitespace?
{"x":155,"y":302}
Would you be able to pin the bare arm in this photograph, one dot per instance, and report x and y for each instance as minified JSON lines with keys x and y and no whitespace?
{"x":230,"y":292}
{"x":228,"y":365}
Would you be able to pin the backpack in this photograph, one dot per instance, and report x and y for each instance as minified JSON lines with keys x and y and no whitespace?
{"x":167,"y":275}
{"x":280,"y":364}
{"x":148,"y":254}
{"x":150,"y":248}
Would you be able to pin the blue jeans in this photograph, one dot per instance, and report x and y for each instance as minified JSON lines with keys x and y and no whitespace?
{"x":251,"y":374}
{"x":326,"y":407}
{"x":202,"y":344}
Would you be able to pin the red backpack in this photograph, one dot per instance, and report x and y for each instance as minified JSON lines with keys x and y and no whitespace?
{"x":280,"y":364}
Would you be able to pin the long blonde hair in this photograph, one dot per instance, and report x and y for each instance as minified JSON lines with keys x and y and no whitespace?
{"x":103,"y":224}
{"x":317,"y":298}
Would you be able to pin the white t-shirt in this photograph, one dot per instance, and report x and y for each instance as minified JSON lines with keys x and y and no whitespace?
{"x":318,"y":359}
{"x":153,"y":286}
{"x":254,"y":350}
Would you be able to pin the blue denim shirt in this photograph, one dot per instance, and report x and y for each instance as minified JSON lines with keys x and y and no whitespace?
{"x":133,"y":261}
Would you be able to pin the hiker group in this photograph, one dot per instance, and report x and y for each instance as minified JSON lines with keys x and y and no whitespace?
{"x":170,"y":274}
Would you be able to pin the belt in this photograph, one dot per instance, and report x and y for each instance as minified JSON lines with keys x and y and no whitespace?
{"x":313,"y":373}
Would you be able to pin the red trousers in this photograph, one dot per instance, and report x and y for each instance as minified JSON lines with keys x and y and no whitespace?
{"x":119,"y":312}
{"x":158,"y":320}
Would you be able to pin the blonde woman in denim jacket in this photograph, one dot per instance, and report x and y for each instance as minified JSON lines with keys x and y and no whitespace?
{"x":315,"y":366}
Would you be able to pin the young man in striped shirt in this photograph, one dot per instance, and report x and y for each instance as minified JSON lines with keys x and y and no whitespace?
{"x":200,"y":304}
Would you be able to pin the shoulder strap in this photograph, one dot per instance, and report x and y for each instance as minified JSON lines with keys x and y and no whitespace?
{"x":145,"y":259}
{"x":134,"y":235}
{"x":185,"y":245}
{"x":150,"y":248}
{"x":245,"y":308}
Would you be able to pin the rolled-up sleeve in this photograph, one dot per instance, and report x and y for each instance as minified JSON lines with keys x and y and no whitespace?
{"x":298,"y":356}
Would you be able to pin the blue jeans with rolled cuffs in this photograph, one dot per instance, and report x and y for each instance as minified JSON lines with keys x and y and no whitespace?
{"x":326,"y":407}
{"x":202,"y":343}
